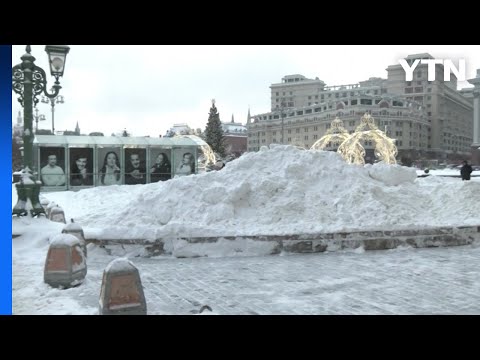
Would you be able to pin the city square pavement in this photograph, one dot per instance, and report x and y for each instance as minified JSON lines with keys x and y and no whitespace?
{"x":400,"y":281}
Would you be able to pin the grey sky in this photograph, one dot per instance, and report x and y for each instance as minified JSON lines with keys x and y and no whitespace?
{"x":146,"y":89}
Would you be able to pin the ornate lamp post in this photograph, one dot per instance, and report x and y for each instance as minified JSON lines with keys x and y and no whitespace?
{"x":29,"y":81}
{"x":37,"y":117}
{"x":55,"y":100}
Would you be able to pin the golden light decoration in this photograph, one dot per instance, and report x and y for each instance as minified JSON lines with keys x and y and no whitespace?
{"x":354,"y":153}
{"x":337,"y":134}
{"x":208,"y":155}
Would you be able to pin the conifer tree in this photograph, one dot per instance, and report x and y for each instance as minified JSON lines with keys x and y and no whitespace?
{"x":213,"y":134}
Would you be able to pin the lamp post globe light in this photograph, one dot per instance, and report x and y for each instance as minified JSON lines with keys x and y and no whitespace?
{"x":29,"y":81}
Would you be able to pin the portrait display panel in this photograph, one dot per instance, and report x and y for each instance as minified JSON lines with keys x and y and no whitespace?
{"x":185,"y":161}
{"x":52,"y":166}
{"x":81,"y":167}
{"x":135,"y":166}
{"x":109,"y":170}
{"x":160,"y":166}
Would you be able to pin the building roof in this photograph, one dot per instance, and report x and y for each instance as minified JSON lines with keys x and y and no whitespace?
{"x":114,"y":141}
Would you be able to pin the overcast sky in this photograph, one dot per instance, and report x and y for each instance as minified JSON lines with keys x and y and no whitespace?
{"x":146,"y":89}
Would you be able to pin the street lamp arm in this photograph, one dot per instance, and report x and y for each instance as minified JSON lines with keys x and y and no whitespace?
{"x":40,"y":85}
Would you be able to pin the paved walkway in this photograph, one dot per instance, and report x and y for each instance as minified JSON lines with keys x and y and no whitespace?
{"x":401,"y":281}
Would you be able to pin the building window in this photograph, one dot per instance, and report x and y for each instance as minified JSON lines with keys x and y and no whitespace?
{"x":297,"y":131}
{"x":315,"y":128}
{"x":429,"y":113}
{"x":306,"y":129}
{"x":306,"y":137}
{"x":289,"y":131}
{"x":353,"y":102}
{"x":316,"y":96}
{"x":289,"y":139}
{"x":274,"y":133}
{"x":315,"y":137}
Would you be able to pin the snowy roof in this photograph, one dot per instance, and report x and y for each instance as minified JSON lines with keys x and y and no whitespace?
{"x":61,"y":140}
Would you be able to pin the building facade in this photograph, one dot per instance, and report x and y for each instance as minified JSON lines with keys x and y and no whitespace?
{"x":429,"y":120}
{"x":235,"y":135}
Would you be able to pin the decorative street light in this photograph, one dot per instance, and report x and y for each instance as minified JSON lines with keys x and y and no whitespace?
{"x":29,"y":81}
{"x":37,"y":117}
{"x":55,"y":100}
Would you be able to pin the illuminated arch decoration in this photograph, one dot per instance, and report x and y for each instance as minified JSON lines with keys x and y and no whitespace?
{"x":354,"y":153}
{"x":336,"y":135}
{"x":208,"y":156}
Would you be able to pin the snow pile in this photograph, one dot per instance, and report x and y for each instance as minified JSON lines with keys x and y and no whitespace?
{"x":391,"y":174}
{"x":281,"y":190}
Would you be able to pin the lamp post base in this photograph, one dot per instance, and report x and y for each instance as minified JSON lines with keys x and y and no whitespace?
{"x":25,"y":192}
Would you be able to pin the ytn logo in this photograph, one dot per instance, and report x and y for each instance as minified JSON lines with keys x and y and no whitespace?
{"x":448,"y":67}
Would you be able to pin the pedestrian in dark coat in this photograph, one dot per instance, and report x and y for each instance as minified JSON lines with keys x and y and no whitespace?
{"x":466,"y":170}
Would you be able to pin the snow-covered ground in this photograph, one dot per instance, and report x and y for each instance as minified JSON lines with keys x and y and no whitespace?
{"x":281,"y":190}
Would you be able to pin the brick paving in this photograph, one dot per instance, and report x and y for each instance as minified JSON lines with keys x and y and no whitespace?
{"x":401,"y":281}
{"x":413,"y":281}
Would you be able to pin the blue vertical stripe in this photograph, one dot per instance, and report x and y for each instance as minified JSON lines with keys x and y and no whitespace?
{"x":6,"y":179}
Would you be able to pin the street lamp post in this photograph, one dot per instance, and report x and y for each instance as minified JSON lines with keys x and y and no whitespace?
{"x":55,"y":100}
{"x":37,"y":117}
{"x":282,"y":118}
{"x":29,"y":81}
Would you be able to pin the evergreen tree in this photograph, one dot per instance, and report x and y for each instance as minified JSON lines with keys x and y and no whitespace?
{"x":213,"y":134}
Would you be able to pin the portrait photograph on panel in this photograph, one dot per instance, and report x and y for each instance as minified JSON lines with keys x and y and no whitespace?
{"x":109,"y":168}
{"x":160,"y":166}
{"x":184,"y":161}
{"x":52,"y":166}
{"x":81,"y":167}
{"x":135,"y":168}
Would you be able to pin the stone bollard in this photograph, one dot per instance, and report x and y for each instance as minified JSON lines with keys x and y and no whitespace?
{"x":49,"y":208}
{"x":77,"y":231}
{"x":44,"y":202}
{"x":65,"y":265}
{"x":57,"y":214}
{"x":122,"y":290}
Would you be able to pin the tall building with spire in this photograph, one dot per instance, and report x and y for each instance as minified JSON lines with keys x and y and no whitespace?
{"x":235,"y":135}
{"x":77,"y":129}
{"x":17,"y":130}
